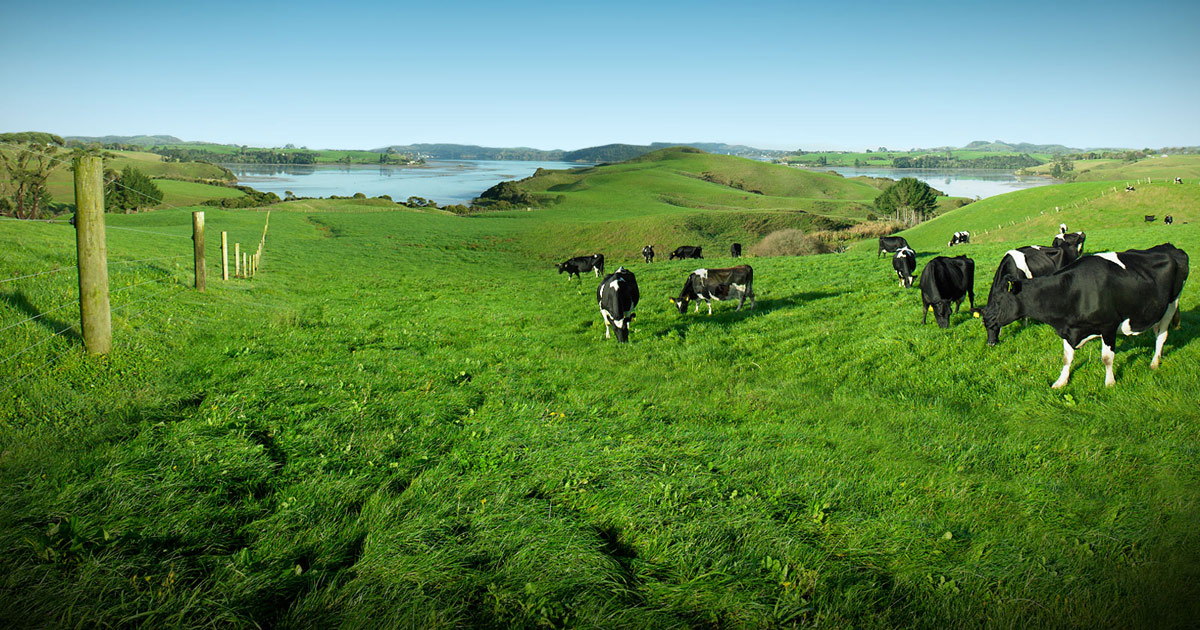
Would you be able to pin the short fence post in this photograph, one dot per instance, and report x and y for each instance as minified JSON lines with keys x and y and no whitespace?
{"x":224,"y":256}
{"x":198,"y":249}
{"x":92,"y":255}
{"x":237,"y":260}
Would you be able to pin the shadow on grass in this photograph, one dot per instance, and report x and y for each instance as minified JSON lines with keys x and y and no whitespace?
{"x":725,"y":313}
{"x":18,"y":301}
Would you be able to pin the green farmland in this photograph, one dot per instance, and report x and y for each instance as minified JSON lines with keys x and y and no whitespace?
{"x":408,"y":419}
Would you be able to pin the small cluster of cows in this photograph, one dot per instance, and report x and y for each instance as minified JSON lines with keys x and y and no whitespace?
{"x":618,"y":295}
{"x":1081,"y":297}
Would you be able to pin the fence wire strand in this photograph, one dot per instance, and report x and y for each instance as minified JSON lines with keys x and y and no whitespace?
{"x":40,"y":315}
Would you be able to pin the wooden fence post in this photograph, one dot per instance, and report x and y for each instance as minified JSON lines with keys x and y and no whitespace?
{"x":237,"y":260}
{"x":95,"y":319}
{"x":224,"y":255}
{"x":198,"y":249}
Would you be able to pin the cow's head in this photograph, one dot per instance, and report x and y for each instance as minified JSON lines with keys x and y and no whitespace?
{"x":561,"y":267}
{"x":1003,"y":308}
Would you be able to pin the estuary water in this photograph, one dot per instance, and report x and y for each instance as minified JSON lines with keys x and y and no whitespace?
{"x":955,"y":183}
{"x":445,"y":181}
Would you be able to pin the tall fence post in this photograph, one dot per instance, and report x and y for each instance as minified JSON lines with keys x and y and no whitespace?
{"x":198,"y":249}
{"x":224,"y":255}
{"x":237,"y":260}
{"x":95,"y":319}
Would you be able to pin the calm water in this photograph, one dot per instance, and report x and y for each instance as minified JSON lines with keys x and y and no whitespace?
{"x":957,"y":183}
{"x":444,"y":181}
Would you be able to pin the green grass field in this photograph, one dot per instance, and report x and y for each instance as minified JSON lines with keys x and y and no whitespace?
{"x":881,"y":159}
{"x":1155,"y":167}
{"x":408,"y":419}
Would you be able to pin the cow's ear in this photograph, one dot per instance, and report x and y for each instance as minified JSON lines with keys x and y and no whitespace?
{"x":1013,"y":285}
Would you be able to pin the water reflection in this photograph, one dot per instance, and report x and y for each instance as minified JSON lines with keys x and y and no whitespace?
{"x":957,"y":183}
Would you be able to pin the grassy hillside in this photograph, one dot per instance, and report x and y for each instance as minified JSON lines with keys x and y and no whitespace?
{"x":406,"y":420}
{"x":1169,"y":167}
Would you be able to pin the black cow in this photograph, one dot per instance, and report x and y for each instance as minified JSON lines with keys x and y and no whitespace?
{"x":648,"y":253}
{"x":905,"y":263}
{"x":685,"y":251}
{"x":1149,"y":218}
{"x":1168,"y":220}
{"x":890,"y":244}
{"x":734,"y":283}
{"x":1127,"y":292}
{"x":582,"y":264}
{"x":735,"y":250}
{"x":1027,"y":262}
{"x":959,"y":238}
{"x":618,"y":295}
{"x":945,"y":280}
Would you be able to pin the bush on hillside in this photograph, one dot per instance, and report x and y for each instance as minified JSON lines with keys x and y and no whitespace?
{"x":791,"y":242}
{"x":131,"y":190}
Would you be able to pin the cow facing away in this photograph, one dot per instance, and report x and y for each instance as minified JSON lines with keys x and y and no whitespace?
{"x":582,"y":264}
{"x":890,"y":244}
{"x":648,"y":253}
{"x":735,"y":250}
{"x":1027,"y":262}
{"x":1127,"y":292}
{"x":686,"y":251}
{"x":1071,"y":244}
{"x":945,"y":280}
{"x":618,"y":295}
{"x":959,"y":238}
{"x":1168,"y":220}
{"x":734,"y":283}
{"x":905,"y":263}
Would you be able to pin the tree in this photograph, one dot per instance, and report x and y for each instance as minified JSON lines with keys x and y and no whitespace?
{"x":28,"y":169}
{"x":131,"y":190}
{"x":910,"y":200}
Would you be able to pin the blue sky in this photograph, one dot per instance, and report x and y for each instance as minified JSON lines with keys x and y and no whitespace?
{"x":566,"y":75}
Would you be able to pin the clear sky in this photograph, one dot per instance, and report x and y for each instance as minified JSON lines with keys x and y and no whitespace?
{"x":566,"y":75}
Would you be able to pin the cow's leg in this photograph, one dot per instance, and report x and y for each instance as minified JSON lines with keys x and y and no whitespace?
{"x":924,"y":312}
{"x":752,"y":300}
{"x":709,"y":302}
{"x":1068,"y":358}
{"x":1107,"y":355}
{"x":741,"y":301}
{"x":1160,"y":332}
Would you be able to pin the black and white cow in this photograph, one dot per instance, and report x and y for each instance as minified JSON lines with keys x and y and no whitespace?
{"x":890,"y":244}
{"x":945,"y":280}
{"x":1130,"y":189}
{"x":1073,"y":239}
{"x":1168,"y":220}
{"x":1027,"y":262}
{"x":648,"y":253}
{"x":905,"y":263}
{"x":735,"y":250}
{"x":1178,"y":180}
{"x":1127,"y":292}
{"x":686,"y":251}
{"x":618,"y":295}
{"x":959,"y":238}
{"x":582,"y":264}
{"x":734,"y":283}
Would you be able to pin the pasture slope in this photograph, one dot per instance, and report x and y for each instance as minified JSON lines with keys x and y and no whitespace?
{"x":409,"y":420}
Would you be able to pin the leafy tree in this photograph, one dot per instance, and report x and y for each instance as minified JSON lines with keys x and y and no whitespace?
{"x":910,"y":200}
{"x":131,"y":190}
{"x":28,"y":168}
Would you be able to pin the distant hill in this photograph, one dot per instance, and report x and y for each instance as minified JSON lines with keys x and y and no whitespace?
{"x":1019,"y":147}
{"x":145,"y":141}
{"x":603,"y":153}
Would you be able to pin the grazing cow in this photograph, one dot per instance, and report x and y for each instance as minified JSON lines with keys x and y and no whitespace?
{"x":1128,"y":292}
{"x":685,"y":251}
{"x":1149,"y":218}
{"x":1071,"y":244}
{"x":735,"y":250}
{"x":648,"y":253}
{"x":1031,"y":261}
{"x":959,"y":238}
{"x":618,"y":295}
{"x":890,"y":244}
{"x":582,"y":264}
{"x":945,"y":280}
{"x":734,"y":283}
{"x":1130,"y":189}
{"x":905,"y":263}
{"x":1168,"y":220}
{"x":1178,"y":180}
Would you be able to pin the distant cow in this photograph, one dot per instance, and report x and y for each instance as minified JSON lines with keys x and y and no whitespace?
{"x":1128,"y":292}
{"x":685,"y":251}
{"x":905,"y":263}
{"x":648,"y":253}
{"x":1168,"y":220}
{"x":1032,"y":261}
{"x":734,"y":283}
{"x":735,"y":250}
{"x":1130,"y":189}
{"x":617,"y":295}
{"x":945,"y":280}
{"x":890,"y":244}
{"x":1149,"y":218}
{"x":1178,"y":180}
{"x":1071,"y":244}
{"x":959,"y":238}
{"x":582,"y":264}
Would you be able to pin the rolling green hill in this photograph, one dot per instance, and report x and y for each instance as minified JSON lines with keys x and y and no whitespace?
{"x":1156,"y":167}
